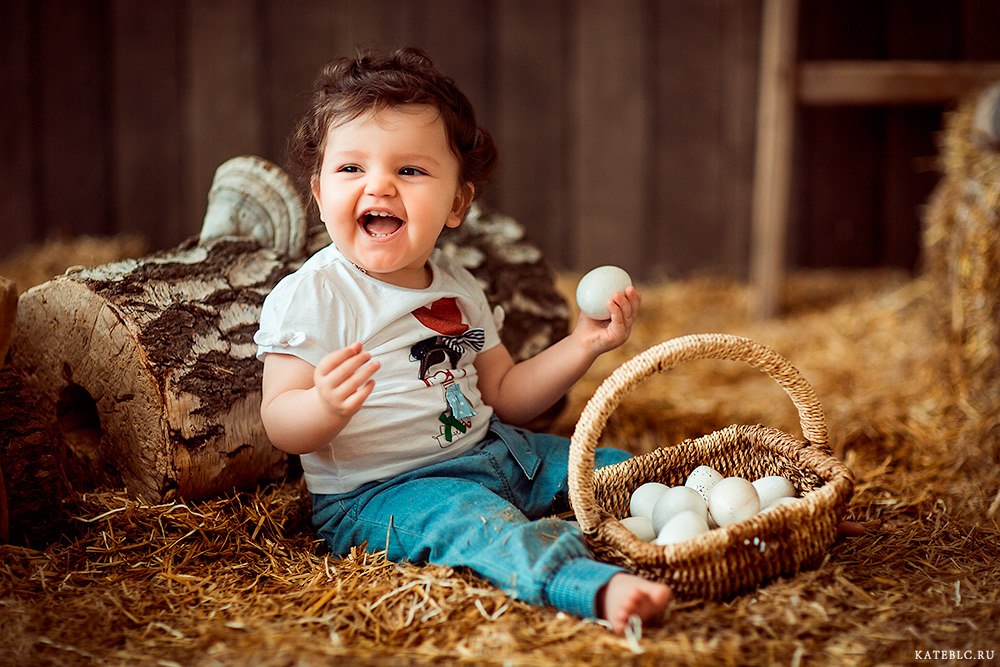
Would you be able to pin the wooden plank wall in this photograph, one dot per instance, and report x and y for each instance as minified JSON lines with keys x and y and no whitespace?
{"x":625,"y":126}
{"x":864,"y":174}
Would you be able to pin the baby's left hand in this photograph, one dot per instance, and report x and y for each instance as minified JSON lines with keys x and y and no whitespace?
{"x":600,"y":336}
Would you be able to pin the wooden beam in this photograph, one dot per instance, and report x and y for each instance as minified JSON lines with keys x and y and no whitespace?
{"x":890,"y":82}
{"x":773,"y":162}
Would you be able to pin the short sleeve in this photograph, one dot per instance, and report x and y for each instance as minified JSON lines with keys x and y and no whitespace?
{"x":301,"y":308}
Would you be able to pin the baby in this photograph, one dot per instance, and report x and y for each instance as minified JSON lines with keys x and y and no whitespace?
{"x":383,"y":366}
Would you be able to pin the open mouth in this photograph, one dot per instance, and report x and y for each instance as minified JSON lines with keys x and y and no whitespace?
{"x":379,"y":224}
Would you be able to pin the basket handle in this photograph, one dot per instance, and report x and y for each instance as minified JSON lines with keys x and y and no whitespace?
{"x":661,"y":358}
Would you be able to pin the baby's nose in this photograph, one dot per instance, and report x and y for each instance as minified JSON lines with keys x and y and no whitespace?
{"x":380,"y":184}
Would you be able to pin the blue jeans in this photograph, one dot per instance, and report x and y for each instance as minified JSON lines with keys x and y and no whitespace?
{"x":482,"y":510}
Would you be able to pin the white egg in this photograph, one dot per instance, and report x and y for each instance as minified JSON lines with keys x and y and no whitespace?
{"x":771,"y":487}
{"x":597,"y":287}
{"x":777,"y":502}
{"x":675,"y":500}
{"x":733,"y":499}
{"x":682,"y":527}
{"x":641,"y":527}
{"x":702,"y":479}
{"x":644,"y":499}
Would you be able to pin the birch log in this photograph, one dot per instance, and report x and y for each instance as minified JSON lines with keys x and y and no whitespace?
{"x":148,"y":366}
{"x":148,"y":370}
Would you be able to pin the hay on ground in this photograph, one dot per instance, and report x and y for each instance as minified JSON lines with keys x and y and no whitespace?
{"x":242,"y":579}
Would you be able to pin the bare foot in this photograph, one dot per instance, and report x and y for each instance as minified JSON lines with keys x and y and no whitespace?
{"x":626,"y":595}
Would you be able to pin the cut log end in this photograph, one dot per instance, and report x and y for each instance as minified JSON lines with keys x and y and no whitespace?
{"x":148,"y":369}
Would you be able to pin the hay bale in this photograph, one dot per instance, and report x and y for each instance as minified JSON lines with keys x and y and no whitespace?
{"x":962,"y":247}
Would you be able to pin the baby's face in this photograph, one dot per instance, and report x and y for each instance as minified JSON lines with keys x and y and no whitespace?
{"x":388,"y":185}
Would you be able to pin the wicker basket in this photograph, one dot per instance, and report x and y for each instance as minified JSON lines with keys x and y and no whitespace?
{"x":739,"y":557}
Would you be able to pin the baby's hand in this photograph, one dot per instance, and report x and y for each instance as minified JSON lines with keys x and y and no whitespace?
{"x":344,"y":381}
{"x":599,"y":336}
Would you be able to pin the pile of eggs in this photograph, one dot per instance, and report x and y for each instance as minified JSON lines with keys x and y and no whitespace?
{"x":668,"y":515}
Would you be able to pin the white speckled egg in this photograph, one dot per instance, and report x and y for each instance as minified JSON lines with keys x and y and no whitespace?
{"x":681,"y":527}
{"x":641,"y":527}
{"x":702,"y":479}
{"x":777,"y":502}
{"x":644,"y":499}
{"x":597,"y":287}
{"x":675,"y":500}
{"x":772,"y":487}
{"x":733,"y":499}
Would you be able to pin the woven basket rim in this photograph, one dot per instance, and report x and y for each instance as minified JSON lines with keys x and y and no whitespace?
{"x":697,"y":567}
{"x":663,"y":357}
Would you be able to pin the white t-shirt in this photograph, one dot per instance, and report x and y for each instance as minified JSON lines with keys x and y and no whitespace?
{"x":426,"y":405}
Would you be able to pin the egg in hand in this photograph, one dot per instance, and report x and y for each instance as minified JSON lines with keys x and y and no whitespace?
{"x":597,"y":287}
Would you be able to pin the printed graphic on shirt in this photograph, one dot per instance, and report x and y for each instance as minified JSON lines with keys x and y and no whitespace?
{"x":439,"y":357}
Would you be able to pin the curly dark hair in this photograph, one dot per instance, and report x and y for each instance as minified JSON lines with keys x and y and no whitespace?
{"x":347,"y":88}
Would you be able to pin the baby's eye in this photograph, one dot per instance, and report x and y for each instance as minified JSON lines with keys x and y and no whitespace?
{"x":350,"y":169}
{"x":411,"y":171}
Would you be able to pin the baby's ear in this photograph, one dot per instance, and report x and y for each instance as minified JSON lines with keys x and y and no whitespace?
{"x":463,"y":200}
{"x":314,"y":190}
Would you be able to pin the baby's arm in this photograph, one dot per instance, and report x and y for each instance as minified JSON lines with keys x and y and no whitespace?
{"x":520,"y":392}
{"x":304,"y":407}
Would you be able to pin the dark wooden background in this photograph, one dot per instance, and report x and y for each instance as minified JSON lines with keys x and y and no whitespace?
{"x":626,"y":126}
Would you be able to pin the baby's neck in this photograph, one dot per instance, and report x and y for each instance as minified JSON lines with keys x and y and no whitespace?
{"x":407,"y":278}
